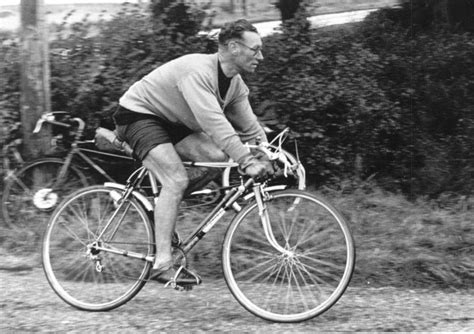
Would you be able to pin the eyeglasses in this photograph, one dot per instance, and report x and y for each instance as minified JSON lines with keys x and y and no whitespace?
{"x":255,"y":50}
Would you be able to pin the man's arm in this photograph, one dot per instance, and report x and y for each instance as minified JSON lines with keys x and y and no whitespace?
{"x":205,"y":107}
{"x":241,"y":115}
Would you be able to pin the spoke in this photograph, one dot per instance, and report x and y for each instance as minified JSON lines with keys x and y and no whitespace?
{"x":257,"y":268}
{"x":23,"y":186}
{"x":79,"y":214}
{"x":252,"y":237}
{"x":320,"y":235}
{"x":276,"y":273}
{"x":321,"y":249}
{"x":323,"y":273}
{"x":307,"y":233}
{"x":72,"y":233}
{"x":314,"y":280}
{"x":324,"y":263}
{"x":302,"y":271}
{"x":298,"y":287}
{"x":255,"y":250}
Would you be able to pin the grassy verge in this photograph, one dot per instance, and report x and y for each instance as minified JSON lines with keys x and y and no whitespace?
{"x":399,"y":243}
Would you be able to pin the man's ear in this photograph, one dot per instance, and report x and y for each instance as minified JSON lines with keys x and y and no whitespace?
{"x":232,"y":48}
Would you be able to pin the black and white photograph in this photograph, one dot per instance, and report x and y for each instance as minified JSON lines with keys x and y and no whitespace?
{"x":236,"y":166}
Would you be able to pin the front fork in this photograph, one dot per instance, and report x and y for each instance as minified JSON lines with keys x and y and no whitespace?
{"x":262,"y":197}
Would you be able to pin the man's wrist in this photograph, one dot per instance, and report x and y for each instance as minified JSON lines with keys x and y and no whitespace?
{"x":246,"y":161}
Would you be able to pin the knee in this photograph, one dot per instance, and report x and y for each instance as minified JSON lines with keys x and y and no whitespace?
{"x":175,"y":186}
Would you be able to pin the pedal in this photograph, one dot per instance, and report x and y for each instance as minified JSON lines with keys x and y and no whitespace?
{"x":179,"y":287}
{"x":185,"y":287}
{"x":182,"y":287}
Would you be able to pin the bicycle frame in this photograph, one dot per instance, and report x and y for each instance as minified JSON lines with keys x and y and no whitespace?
{"x":202,"y":229}
{"x":81,"y":152}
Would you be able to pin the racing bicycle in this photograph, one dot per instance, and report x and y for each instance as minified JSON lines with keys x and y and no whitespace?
{"x":287,"y":255}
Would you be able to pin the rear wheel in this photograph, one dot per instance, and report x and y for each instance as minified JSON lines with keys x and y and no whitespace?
{"x":94,"y":271}
{"x":296,"y":269}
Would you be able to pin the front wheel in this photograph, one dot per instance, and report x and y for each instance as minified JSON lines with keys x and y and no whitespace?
{"x":32,"y":193}
{"x":308,"y":270}
{"x":92,"y":267}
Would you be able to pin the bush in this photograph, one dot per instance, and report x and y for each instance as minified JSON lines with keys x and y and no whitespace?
{"x":326,"y":90}
{"x":122,"y":51}
{"x":429,"y":74}
{"x":9,"y":85}
{"x":385,"y":100}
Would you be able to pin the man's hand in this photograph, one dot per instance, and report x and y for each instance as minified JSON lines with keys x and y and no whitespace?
{"x":259,"y":169}
{"x":256,"y":168}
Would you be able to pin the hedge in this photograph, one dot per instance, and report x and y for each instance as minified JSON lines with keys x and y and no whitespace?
{"x":378,"y":100}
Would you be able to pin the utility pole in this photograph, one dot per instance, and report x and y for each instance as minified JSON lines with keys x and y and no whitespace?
{"x":35,"y":76}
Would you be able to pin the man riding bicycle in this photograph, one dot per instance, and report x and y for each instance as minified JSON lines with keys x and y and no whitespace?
{"x":194,"y":107}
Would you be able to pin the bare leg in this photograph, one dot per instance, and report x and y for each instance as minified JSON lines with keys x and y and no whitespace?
{"x":200,"y":147}
{"x":166,"y":166}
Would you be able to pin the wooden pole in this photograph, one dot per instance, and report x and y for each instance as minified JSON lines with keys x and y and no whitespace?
{"x":35,"y":76}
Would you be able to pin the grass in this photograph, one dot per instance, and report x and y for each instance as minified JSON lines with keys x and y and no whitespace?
{"x":402,"y":243}
{"x":399,"y":243}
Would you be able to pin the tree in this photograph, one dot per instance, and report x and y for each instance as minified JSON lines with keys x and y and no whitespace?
{"x":457,"y":14}
{"x":288,"y":8}
{"x":35,"y":90}
{"x":460,"y":13}
{"x":177,"y":16}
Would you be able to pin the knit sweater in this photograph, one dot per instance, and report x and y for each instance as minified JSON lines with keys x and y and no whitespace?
{"x":186,"y":91}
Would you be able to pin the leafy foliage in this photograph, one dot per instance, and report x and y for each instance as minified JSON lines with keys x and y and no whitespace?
{"x":9,"y":85}
{"x":326,"y":89}
{"x":107,"y":62}
{"x":387,"y":99}
{"x":429,"y":74}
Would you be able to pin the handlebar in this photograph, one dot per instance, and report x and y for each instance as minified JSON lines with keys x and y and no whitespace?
{"x":274,"y":151}
{"x":50,"y":118}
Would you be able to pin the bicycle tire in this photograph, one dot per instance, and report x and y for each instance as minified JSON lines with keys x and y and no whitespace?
{"x":70,"y":261}
{"x":28,"y":199}
{"x":309,"y":278}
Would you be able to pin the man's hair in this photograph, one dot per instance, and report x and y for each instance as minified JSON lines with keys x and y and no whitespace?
{"x":235,"y":30}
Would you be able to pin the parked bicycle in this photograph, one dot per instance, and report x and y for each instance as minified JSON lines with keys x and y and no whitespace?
{"x":33,"y":191}
{"x":287,"y":256}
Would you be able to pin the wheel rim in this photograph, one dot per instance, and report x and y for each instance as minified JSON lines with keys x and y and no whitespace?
{"x":304,"y":281}
{"x":84,"y":276}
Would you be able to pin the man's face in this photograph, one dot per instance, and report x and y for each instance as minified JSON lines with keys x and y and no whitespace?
{"x":248,"y":52}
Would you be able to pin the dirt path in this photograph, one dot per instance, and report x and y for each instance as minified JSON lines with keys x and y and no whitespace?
{"x":29,"y":304}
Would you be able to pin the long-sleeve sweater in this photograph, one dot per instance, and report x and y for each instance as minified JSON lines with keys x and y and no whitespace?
{"x":186,"y":91}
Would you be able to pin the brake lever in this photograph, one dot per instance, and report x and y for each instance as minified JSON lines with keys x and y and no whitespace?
{"x":38,"y":126}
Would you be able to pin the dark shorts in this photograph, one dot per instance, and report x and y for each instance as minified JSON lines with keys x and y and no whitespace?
{"x":146,"y":133}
